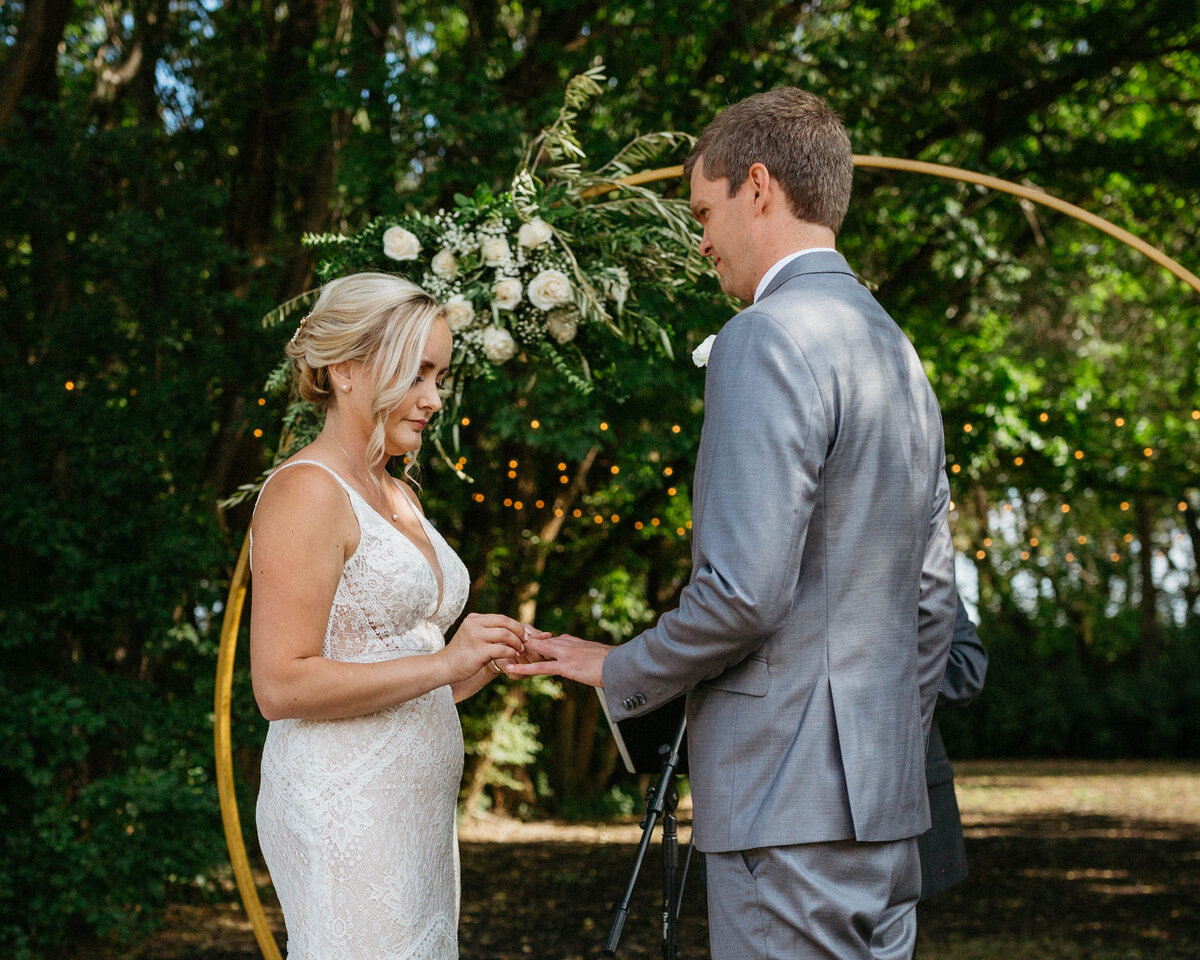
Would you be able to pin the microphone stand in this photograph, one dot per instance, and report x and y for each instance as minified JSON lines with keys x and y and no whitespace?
{"x":661,"y":801}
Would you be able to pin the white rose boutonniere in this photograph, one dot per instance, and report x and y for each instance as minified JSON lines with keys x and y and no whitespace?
{"x":495,"y":251}
{"x":563,"y":324}
{"x":506,"y":293}
{"x":400,"y":244}
{"x":700,"y":354}
{"x":443,"y":264}
{"x":460,"y":313}
{"x":534,"y":233}
{"x":549,"y":289}
{"x":498,"y":345}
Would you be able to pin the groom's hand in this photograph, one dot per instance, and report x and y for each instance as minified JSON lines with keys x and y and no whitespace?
{"x":563,"y":656}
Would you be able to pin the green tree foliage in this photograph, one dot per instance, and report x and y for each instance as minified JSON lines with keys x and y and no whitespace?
{"x":159,"y":163}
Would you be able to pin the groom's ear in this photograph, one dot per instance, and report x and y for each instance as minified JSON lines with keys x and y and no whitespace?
{"x":759,"y":180}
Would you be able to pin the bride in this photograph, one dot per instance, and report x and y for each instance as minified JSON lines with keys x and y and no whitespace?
{"x":353,"y":592}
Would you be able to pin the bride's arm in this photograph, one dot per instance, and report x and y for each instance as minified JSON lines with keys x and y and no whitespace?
{"x":304,"y":529}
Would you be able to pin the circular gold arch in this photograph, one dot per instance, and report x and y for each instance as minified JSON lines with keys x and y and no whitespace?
{"x":222,"y":736}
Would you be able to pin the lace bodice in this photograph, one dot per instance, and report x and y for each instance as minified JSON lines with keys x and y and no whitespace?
{"x":356,"y":816}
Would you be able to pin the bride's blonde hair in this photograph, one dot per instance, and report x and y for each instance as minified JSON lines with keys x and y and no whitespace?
{"x":380,"y":320}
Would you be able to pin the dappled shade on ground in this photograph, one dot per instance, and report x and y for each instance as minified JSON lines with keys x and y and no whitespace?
{"x":1091,"y":862}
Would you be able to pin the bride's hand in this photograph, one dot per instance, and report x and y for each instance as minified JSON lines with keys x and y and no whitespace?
{"x":482,"y":638}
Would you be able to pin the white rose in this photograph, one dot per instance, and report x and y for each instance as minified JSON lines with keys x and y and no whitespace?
{"x":443,"y":263}
{"x":498,"y":344}
{"x":534,"y":233}
{"x":700,"y":354}
{"x":400,"y":244}
{"x":506,"y":293}
{"x":549,"y":289}
{"x":563,"y":325}
{"x":460,"y":314}
{"x":495,"y":251}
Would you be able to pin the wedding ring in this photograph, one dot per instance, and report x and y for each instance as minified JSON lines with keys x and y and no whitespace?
{"x":495,"y":667}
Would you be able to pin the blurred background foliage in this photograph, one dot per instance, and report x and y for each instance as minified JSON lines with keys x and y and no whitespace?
{"x":159,"y":162}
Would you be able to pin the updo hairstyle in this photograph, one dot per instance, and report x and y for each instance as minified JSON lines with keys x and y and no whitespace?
{"x":378,"y":319}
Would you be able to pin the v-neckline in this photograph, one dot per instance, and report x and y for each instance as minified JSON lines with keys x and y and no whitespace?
{"x":435,"y":565}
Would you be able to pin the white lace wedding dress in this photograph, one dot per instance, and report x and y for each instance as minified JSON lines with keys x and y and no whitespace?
{"x":356,"y":816}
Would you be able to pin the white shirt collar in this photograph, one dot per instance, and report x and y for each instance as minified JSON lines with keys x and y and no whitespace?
{"x":780,"y":264}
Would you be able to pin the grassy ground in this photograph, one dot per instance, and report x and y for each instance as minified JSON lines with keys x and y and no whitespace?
{"x":1069,"y":861}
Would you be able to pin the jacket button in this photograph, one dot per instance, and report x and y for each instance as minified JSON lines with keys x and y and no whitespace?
{"x":627,"y":703}
{"x":640,"y":699}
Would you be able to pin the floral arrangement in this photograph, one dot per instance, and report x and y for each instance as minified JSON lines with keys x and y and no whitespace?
{"x":539,"y":277}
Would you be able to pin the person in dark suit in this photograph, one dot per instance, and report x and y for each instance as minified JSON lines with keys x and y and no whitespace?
{"x":943,"y":854}
{"x":813,"y":634}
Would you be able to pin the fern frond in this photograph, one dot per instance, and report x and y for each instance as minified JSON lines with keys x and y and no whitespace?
{"x":287,"y":308}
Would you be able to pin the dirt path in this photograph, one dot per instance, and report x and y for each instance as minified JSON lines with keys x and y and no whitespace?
{"x":1079,"y":861}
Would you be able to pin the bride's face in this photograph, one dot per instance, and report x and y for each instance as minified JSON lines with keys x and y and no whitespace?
{"x":409,"y":418}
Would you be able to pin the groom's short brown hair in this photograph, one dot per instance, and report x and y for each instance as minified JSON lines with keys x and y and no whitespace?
{"x":797,"y":137}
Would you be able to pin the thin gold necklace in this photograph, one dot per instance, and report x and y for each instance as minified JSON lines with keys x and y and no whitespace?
{"x":350,"y":460}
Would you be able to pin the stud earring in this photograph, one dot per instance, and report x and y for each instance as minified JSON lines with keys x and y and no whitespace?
{"x":346,"y":387}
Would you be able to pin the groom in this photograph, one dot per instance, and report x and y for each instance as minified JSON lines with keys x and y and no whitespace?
{"x":812,"y":636}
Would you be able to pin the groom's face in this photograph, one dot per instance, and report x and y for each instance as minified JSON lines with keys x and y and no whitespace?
{"x":727,"y":237}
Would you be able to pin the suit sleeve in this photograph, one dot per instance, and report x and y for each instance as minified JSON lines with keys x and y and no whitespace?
{"x":762,"y":448}
{"x":966,"y":667}
{"x":938,"y":601}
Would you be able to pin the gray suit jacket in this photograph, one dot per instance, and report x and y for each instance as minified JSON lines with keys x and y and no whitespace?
{"x":812,"y":636}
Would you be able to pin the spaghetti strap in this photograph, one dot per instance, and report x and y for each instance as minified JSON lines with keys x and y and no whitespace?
{"x":292,"y":463}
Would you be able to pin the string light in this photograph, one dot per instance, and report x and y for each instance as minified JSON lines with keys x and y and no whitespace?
{"x":603,"y":425}
{"x":671,"y":491}
{"x":534,"y":424}
{"x":558,"y":511}
{"x":598,"y":519}
{"x":1024,"y":554}
{"x":1196,"y":414}
{"x":577,"y":513}
{"x":563,"y":479}
{"x":680,"y":531}
{"x":955,"y":469}
{"x":257,"y":432}
{"x":614,"y":469}
{"x":1124,"y":504}
{"x":638,"y":525}
{"x":1120,"y":421}
{"x":1183,"y":505}
{"x":508,"y":501}
{"x":512,"y":464}
{"x":1066,"y":508}
{"x":1019,"y":461}
{"x":465,"y":421}
{"x":1149,"y":451}
{"x":512,"y":474}
{"x":518,"y":505}
{"x":615,"y":518}
{"x":1033,"y":541}
{"x":1114,"y":556}
{"x":562,"y":466}
{"x":967,"y":428}
{"x":980,"y":554}
{"x":478,"y":497}
{"x":70,"y":385}
{"x":1078,"y":454}
{"x":1043,"y":416}
{"x":667,"y":471}
{"x":1082,"y":540}
{"x":262,"y":401}
{"x":1128,"y":538}
{"x":539,"y":504}
{"x":1070,"y":558}
{"x":987,"y":541}
{"x":654,"y":521}
{"x":676,"y":428}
